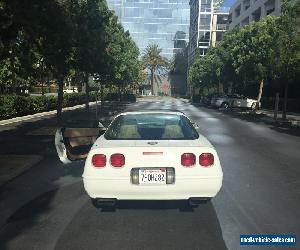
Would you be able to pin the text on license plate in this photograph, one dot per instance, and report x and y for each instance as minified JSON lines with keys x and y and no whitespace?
{"x":149,"y":176}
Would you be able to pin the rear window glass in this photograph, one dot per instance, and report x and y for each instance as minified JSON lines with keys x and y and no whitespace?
{"x":151,"y":127}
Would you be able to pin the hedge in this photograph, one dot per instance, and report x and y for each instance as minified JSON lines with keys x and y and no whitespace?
{"x":45,"y":89}
{"x":14,"y":106}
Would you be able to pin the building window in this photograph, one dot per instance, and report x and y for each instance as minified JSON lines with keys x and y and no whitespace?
{"x":230,"y":18}
{"x":269,"y":7}
{"x":202,"y":51}
{"x":204,"y":22}
{"x":237,"y":11}
{"x":222,"y":22}
{"x":204,"y":37}
{"x":246,"y":4}
{"x":205,"y":6}
{"x":256,"y":15}
{"x":219,"y":36}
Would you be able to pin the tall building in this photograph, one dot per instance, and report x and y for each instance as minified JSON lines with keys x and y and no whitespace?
{"x":207,"y":26}
{"x":245,"y":11}
{"x":163,"y":22}
{"x":201,"y":12}
{"x":219,"y":25}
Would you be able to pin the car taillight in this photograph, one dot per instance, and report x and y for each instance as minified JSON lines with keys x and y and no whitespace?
{"x":117,"y":160}
{"x":206,"y":159}
{"x":99,"y":160}
{"x":188,"y":159}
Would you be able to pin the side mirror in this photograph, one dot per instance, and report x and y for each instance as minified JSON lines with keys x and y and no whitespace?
{"x":102,"y":131}
{"x":100,"y":125}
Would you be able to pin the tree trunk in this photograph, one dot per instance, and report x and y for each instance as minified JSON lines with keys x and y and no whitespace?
{"x":101,"y":98}
{"x":87,"y":92}
{"x":221,"y":89}
{"x":120,"y":93}
{"x":284,"y":108}
{"x":60,"y":96}
{"x":152,"y":81}
{"x":229,"y":89}
{"x":261,"y":86}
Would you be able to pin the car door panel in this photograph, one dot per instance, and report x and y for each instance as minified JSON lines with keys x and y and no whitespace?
{"x":74,"y":143}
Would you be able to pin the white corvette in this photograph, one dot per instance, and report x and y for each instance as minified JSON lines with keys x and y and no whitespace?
{"x":149,"y":155}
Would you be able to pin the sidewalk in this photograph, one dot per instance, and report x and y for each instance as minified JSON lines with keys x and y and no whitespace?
{"x":292,"y":118}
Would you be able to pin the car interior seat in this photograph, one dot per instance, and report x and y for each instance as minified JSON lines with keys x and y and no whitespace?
{"x":172,"y":131}
{"x":129,"y":130}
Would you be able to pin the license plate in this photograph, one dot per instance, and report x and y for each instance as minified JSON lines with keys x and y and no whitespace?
{"x":152,"y":176}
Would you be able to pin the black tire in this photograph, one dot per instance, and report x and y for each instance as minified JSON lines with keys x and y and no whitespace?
{"x":225,"y":105}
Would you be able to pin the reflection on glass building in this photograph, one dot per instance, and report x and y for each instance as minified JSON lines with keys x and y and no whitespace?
{"x":162,"y":22}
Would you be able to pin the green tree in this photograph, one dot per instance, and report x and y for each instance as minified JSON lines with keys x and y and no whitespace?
{"x":90,"y":18}
{"x":120,"y":65}
{"x":64,"y":39}
{"x":153,"y":60}
{"x":253,"y":51}
{"x":288,"y":56}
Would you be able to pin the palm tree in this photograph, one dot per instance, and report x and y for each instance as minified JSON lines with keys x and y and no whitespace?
{"x":153,"y":60}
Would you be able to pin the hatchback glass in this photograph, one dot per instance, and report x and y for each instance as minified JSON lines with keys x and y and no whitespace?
{"x":151,"y":127}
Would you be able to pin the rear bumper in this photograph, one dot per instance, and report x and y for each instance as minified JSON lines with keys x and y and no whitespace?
{"x":122,"y":189}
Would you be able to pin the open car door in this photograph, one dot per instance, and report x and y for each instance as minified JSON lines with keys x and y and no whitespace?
{"x":75,"y":141}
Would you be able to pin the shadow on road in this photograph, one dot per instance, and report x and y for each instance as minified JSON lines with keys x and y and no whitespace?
{"x":24,"y":219}
{"x":181,"y":205}
{"x":144,"y":225}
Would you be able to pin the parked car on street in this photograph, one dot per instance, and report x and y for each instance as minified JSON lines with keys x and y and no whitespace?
{"x":147,"y":155}
{"x":220,"y":101}
{"x":72,"y":90}
{"x":240,"y":101}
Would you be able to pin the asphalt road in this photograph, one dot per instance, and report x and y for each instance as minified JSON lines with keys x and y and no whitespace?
{"x":47,"y":207}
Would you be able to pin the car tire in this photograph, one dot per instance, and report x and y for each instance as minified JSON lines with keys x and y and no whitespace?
{"x":253,"y":106}
{"x":225,"y":105}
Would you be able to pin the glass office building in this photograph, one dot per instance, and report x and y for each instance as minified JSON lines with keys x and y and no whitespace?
{"x":162,"y":22}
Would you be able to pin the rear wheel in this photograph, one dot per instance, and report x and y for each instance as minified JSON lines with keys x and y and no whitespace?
{"x":253,"y":106}
{"x":225,"y":105}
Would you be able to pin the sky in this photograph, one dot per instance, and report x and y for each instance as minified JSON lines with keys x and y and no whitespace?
{"x":228,"y":3}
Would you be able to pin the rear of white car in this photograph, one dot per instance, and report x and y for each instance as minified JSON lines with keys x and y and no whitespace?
{"x":117,"y":182}
{"x":244,"y":102}
{"x":152,"y":169}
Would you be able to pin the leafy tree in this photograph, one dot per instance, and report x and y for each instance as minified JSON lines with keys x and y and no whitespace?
{"x":288,"y":56}
{"x":67,"y":39}
{"x":253,"y":51}
{"x":153,"y":60}
{"x":56,"y":44}
{"x":228,"y":77}
{"x":90,"y":18}
{"x":215,"y":70}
